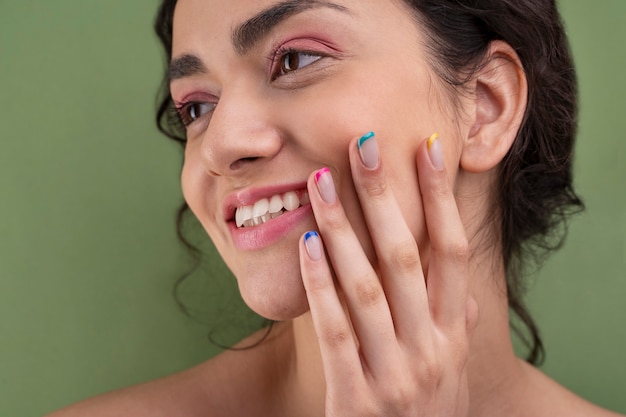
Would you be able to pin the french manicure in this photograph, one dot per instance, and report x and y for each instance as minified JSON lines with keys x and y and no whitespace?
{"x":368,"y":148}
{"x":435,"y":151}
{"x":325,"y":185}
{"x":313,"y":245}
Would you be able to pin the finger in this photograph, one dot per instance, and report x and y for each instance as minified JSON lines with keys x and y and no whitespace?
{"x":337,"y":344}
{"x":365,"y":298}
{"x":448,"y":263}
{"x":396,"y":249}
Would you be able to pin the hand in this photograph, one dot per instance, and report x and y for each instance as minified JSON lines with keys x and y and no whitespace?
{"x":402,"y":348}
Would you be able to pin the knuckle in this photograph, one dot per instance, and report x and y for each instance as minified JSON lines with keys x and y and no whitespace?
{"x":374,"y":187}
{"x":458,"y":250}
{"x":368,"y":292}
{"x":404,"y":257}
{"x":431,"y":372}
{"x":401,"y":398}
{"x":335,"y":337}
{"x":333,"y":221}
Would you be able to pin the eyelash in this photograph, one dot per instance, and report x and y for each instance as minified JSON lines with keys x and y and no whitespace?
{"x":183,"y":110}
{"x":282,"y":53}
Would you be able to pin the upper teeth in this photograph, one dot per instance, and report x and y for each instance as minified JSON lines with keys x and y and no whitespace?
{"x":267,"y":209}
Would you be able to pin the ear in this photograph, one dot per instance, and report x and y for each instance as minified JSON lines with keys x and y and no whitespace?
{"x":500,"y":104}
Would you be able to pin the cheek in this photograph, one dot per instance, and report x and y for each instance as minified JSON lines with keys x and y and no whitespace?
{"x":352,"y":104}
{"x":197,"y":187}
{"x":334,"y":110}
{"x":191,"y":181}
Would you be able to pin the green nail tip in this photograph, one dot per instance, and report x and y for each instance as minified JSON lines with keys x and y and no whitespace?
{"x":365,"y":138}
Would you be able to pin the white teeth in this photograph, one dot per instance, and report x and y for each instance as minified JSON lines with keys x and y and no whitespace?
{"x":261,"y":207}
{"x":276,"y":204}
{"x":243,"y":214}
{"x":291,"y":201}
{"x":268,"y":209}
{"x":239,"y":218}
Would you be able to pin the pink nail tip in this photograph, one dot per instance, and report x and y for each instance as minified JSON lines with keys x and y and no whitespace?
{"x":321,"y":172}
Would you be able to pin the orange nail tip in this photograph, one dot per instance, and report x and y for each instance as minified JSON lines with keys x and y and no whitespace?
{"x":432,"y":139}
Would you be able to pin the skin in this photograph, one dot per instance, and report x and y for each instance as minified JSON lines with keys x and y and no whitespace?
{"x":361,"y":333}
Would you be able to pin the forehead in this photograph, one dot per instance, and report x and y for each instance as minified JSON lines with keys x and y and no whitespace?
{"x":220,"y":20}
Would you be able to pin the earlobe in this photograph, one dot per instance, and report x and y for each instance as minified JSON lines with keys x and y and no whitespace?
{"x":500,"y":103}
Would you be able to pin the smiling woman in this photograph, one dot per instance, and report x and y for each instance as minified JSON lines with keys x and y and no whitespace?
{"x":376,"y":175}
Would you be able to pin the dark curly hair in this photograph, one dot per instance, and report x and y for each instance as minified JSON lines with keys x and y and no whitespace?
{"x":535,"y":195}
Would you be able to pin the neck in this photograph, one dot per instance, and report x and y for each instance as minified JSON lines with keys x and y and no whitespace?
{"x":305,"y":386}
{"x":495,"y":373}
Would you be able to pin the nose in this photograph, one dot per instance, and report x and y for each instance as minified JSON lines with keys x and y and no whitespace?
{"x":240,"y":135}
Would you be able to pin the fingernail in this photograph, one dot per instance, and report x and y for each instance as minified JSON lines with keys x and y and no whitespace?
{"x":313,"y":245}
{"x":325,"y":185}
{"x":368,"y":148}
{"x":435,"y":151}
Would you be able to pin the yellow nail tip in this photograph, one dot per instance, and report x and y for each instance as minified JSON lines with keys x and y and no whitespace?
{"x":432,"y":139}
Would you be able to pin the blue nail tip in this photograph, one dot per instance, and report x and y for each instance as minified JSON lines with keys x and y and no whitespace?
{"x":365,"y":138}
{"x":309,"y":235}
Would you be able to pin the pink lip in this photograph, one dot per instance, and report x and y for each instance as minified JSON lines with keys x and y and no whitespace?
{"x":258,"y":237}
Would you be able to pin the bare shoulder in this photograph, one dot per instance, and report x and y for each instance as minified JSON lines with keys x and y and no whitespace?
{"x":214,"y":388}
{"x":181,"y":392}
{"x":552,"y":399}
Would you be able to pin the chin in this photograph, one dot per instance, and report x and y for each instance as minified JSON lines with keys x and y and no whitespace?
{"x":275,"y":302}
{"x":276,"y":294}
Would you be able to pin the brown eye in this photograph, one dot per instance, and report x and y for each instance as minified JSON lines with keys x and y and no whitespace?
{"x":197,"y":110}
{"x":191,"y":112}
{"x":290,"y":62}
{"x":294,"y":60}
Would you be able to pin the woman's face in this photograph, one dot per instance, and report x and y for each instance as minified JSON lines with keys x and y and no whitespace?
{"x":275,"y":90}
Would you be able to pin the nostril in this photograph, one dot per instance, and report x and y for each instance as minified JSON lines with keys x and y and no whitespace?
{"x":242,"y":162}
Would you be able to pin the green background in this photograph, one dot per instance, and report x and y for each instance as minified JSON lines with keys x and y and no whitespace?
{"x":88,"y":189}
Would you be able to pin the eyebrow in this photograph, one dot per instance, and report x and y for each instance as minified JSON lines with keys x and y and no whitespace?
{"x":249,"y":33}
{"x":185,"y":66}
